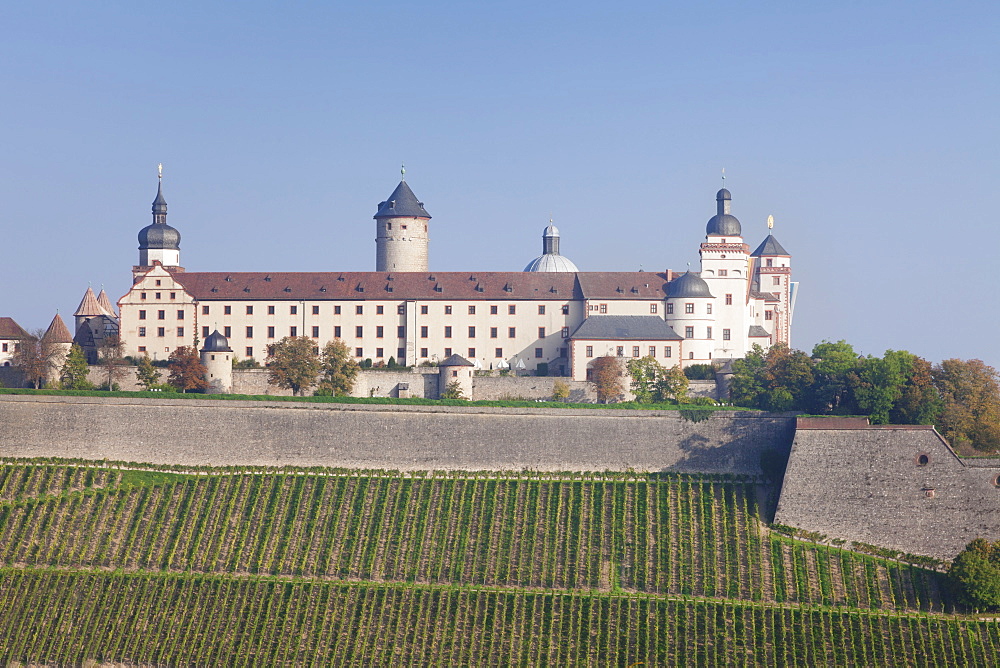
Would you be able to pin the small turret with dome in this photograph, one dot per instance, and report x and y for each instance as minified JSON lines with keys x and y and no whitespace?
{"x":723,"y":223}
{"x":159,"y":242}
{"x":550,"y":259}
{"x":217,"y":357}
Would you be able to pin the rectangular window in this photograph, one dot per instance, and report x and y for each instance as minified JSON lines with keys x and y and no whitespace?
{"x":709,"y":334}
{"x":249,"y":351}
{"x":315,"y":333}
{"x":689,"y":332}
{"x":472,"y":332}
{"x":768,"y":315}
{"x":401,"y":310}
{"x":447,"y":332}
{"x":400,"y":331}
{"x":336,"y":309}
{"x":379,"y":332}
{"x":293,"y":331}
{"x":723,"y":272}
{"x":359,"y":309}
{"x":565,"y":332}
{"x":142,"y":315}
{"x":689,"y":307}
{"x":315,"y":310}
{"x":493,"y":309}
{"x":423,"y":311}
{"x":635,"y":351}
{"x":359,"y":331}
{"x":541,"y":309}
{"x":447,"y":309}
{"x":249,"y":332}
{"x":493,"y":332}
{"x":447,"y":352}
{"x":670,"y":309}
{"x":336,"y":331}
{"x":142,"y":349}
{"x":249,"y":310}
{"x":423,"y":352}
{"x":161,"y":315}
{"x":204,"y":310}
{"x":511,"y":332}
{"x":379,"y":310}
{"x":776,"y":280}
{"x":668,"y":351}
{"x":538,"y":352}
{"x":590,"y":351}
{"x":565,"y":309}
{"x":726,"y":334}
{"x":270,"y":310}
{"x":423,"y":331}
{"x":270,"y":332}
{"x":204,"y":332}
{"x":227,"y":310}
{"x":498,"y":352}
{"x":652,"y":308}
{"x":379,"y":352}
{"x":770,"y":262}
{"x":472,"y":352}
{"x":604,"y":308}
{"x":621,"y":351}
{"x":512,"y":309}
{"x":161,"y":331}
{"x":142,"y":295}
{"x":180,"y":315}
{"x":400,"y":353}
{"x":729,"y":299}
{"x":709,"y":309}
{"x":541,"y":332}
{"x":358,"y":352}
{"x":472,"y":310}
{"x":156,"y":294}
{"x":142,"y":332}
{"x":652,"y":351}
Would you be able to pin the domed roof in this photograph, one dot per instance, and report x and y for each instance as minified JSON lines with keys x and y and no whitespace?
{"x":159,"y":235}
{"x":551,"y":262}
{"x":723,"y":223}
{"x":688,"y":285}
{"x":216,"y":343}
{"x":723,"y":194}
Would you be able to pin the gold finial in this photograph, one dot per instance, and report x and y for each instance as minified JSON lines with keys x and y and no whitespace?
{"x":159,"y":171}
{"x":770,"y":222}
{"x":402,"y":171}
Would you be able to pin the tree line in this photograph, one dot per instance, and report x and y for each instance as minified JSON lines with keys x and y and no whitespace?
{"x":960,"y":397}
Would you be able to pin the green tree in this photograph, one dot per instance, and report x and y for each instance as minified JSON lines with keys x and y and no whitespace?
{"x":746,"y":387}
{"x":186,"y":370}
{"x":700,"y":372}
{"x":453,"y":391}
{"x":975,"y":575}
{"x":111,"y":359}
{"x":146,"y":373}
{"x":560,"y":390}
{"x":835,"y":376}
{"x":970,"y":395}
{"x":919,"y":402}
{"x":75,"y":370}
{"x":672,"y":385}
{"x":606,"y":374}
{"x":881,"y":384}
{"x":646,"y":372}
{"x":788,"y":377}
{"x":293,"y":363}
{"x":338,"y":370}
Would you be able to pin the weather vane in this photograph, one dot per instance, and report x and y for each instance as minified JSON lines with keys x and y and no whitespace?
{"x":770,"y":222}
{"x":159,"y":171}
{"x":723,"y":177}
{"x":402,"y":171}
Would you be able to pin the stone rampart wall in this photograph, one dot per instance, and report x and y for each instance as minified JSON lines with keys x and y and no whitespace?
{"x":870,"y":485}
{"x":201,"y":432}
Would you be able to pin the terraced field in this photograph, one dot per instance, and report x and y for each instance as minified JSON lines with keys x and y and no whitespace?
{"x":142,"y":567}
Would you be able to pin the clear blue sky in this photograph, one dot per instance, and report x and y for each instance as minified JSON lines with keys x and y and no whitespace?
{"x":868,"y":129}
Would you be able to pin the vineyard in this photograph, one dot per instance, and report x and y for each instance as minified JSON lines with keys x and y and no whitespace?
{"x":298,"y":568}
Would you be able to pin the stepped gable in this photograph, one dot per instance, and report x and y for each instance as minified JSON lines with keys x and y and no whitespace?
{"x":622,"y":285}
{"x":57,"y":331}
{"x":375,"y":285}
{"x":89,"y":306}
{"x":11,"y":330}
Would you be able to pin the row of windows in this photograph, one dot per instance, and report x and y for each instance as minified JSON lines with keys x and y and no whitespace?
{"x":162,"y":315}
{"x":668,"y":351}
{"x":359,"y":332}
{"x":162,"y":331}
{"x":359,"y":309}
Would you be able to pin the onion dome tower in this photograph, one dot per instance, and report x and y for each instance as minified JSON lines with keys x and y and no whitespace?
{"x":550,"y":259}
{"x":723,"y":223}
{"x":217,"y":357}
{"x":401,"y":236}
{"x":159,"y":242}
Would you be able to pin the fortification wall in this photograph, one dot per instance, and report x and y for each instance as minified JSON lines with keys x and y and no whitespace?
{"x":201,"y":432}
{"x":870,"y":485}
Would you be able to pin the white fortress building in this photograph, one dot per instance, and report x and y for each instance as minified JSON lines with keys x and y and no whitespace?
{"x":550,"y":318}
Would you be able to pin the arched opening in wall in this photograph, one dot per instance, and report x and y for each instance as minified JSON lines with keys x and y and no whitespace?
{"x":996,"y":480}
{"x":923,"y":459}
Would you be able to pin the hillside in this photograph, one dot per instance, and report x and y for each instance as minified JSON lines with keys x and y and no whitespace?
{"x":143,"y":567}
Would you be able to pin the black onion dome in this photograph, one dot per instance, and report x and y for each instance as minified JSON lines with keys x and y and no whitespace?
{"x":723,"y":223}
{"x":216,"y":343}
{"x":688,"y":285}
{"x":159,"y":235}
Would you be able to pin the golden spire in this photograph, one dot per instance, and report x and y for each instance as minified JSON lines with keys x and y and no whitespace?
{"x":770,"y":222}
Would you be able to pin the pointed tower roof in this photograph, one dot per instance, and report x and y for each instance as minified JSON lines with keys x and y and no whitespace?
{"x":11,"y":330}
{"x":402,"y":203}
{"x":159,"y":204}
{"x":770,"y":246}
{"x":89,"y":305}
{"x":57,"y":332}
{"x":105,"y":303}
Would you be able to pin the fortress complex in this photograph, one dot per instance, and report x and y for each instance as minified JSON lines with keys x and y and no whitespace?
{"x":551,"y":317}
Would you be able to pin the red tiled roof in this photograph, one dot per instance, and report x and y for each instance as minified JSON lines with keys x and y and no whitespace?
{"x":11,"y":330}
{"x":622,"y":285}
